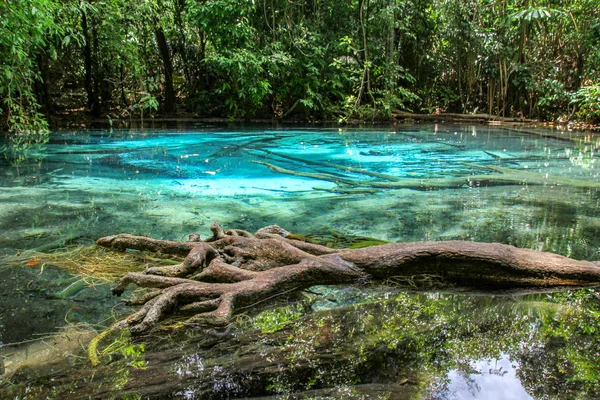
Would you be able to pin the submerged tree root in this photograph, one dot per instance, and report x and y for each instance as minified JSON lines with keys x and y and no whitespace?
{"x":346,"y":184}
{"x":234,"y":270}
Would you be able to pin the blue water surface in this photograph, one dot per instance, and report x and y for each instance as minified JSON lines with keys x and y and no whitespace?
{"x":166,"y":184}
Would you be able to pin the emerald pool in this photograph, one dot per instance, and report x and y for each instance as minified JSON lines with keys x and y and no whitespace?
{"x":386,"y":341}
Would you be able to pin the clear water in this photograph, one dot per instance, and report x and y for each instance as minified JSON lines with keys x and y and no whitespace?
{"x":169,"y":183}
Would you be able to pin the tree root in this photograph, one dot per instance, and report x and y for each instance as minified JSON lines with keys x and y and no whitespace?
{"x":500,"y":176}
{"x":234,"y":270}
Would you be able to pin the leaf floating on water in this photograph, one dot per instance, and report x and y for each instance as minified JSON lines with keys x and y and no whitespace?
{"x":338,"y":240}
{"x":34,"y":261}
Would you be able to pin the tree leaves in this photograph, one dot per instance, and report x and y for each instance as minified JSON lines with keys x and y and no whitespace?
{"x":538,"y":14}
{"x":246,"y":58}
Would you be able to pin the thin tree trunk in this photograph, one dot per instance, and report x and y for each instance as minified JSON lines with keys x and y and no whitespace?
{"x":579,"y":70}
{"x":522,"y":38}
{"x":93,"y":101}
{"x":122,"y":83}
{"x":42,"y":86}
{"x":96,"y":70}
{"x":460,"y":91}
{"x":165,"y":54}
{"x":184,"y":48}
{"x":365,"y":84}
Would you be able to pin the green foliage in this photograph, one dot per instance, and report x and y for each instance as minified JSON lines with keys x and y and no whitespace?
{"x":434,"y":99}
{"x":299,"y":59}
{"x":552,"y":98}
{"x":233,"y":56}
{"x":587,"y":100}
{"x":27,"y":30}
{"x":146,"y":103}
{"x":579,"y":325}
{"x":537,"y":13}
{"x":245,"y":87}
{"x":28,"y":132}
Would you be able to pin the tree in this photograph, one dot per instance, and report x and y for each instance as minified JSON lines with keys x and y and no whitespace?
{"x":90,"y":57}
{"x":27,"y":35}
{"x":360,"y":59}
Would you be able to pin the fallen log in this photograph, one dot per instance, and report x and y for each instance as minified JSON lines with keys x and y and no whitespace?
{"x":460,"y":117}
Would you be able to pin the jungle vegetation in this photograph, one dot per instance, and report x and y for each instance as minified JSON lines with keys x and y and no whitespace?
{"x":300,"y":59}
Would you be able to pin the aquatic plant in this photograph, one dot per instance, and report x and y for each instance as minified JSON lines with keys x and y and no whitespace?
{"x":92,"y":262}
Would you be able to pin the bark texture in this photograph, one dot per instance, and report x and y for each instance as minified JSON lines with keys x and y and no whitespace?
{"x":235,"y":270}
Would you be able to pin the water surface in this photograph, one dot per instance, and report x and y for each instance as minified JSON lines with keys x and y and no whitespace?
{"x":169,"y":183}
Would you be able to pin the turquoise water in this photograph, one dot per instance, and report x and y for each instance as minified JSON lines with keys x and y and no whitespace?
{"x":170,"y":183}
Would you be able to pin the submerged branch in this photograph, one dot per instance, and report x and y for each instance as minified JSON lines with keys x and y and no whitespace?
{"x":503,"y":176}
{"x":536,"y":178}
{"x":342,"y":168}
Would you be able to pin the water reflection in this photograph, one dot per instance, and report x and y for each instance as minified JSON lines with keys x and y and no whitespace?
{"x":488,"y":379}
{"x":430,"y":346}
{"x":392,"y":345}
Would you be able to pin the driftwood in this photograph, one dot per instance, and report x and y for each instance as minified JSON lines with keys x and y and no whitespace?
{"x":234,"y":270}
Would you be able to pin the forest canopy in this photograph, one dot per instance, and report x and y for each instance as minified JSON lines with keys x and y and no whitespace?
{"x":301,"y":59}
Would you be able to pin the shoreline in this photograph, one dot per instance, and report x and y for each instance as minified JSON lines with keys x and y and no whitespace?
{"x":398,"y":118}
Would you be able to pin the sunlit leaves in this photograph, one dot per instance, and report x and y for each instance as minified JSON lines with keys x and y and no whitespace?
{"x":27,"y":30}
{"x":587,"y":99}
{"x":538,"y":13}
{"x":274,"y":320}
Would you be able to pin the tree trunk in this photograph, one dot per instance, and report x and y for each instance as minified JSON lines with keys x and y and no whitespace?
{"x":184,"y":48}
{"x":42,"y":86}
{"x":522,"y":38}
{"x":165,"y":54}
{"x":88,"y":59}
{"x":235,"y":270}
{"x":579,"y":69}
{"x":365,"y":83}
